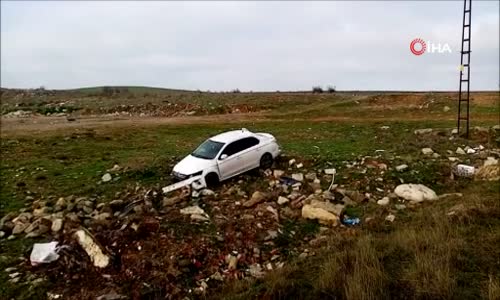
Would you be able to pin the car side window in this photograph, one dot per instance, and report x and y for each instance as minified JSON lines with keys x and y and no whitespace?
{"x":240,"y":145}
{"x":249,"y":142}
{"x":232,"y":148}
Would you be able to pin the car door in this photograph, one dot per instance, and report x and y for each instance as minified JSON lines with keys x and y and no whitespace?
{"x":250,"y":153}
{"x":233,"y":163}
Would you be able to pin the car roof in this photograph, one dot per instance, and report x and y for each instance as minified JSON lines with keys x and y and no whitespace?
{"x":231,"y":136}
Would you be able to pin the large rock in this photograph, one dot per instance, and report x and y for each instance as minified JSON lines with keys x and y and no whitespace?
{"x":93,"y":249}
{"x":323,"y":216}
{"x":415,"y":192}
{"x":257,"y":197}
{"x":329,"y":207}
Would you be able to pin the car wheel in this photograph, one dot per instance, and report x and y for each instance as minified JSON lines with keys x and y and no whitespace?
{"x":211,"y":179}
{"x":266,"y":161}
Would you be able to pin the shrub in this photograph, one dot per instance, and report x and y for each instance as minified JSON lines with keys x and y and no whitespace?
{"x":317,"y":90}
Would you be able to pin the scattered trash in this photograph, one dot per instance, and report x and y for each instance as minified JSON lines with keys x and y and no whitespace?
{"x":288,"y":180}
{"x":350,"y":221}
{"x":464,"y":170}
{"x":94,"y":251}
{"x":44,"y":253}
{"x":180,"y":184}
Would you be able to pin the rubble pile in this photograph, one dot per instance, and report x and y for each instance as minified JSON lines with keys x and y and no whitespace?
{"x":171,"y":109}
{"x":189,"y":242}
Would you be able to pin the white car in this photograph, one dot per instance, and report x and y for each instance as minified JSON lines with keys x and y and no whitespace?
{"x":228,"y":154}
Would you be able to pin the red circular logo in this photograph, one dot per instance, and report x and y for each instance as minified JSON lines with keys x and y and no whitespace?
{"x":422,"y":47}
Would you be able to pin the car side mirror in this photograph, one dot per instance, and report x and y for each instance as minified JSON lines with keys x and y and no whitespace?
{"x":223,"y":156}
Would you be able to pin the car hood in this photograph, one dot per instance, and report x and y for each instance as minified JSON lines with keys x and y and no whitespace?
{"x":190,"y":164}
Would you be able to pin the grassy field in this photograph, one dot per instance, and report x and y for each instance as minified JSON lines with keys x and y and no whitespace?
{"x":424,"y":254}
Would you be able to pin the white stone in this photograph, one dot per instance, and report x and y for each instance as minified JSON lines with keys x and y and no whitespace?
{"x":98,"y":258}
{"x":471,"y":151}
{"x":106,"y":177}
{"x":283,"y":200}
{"x":384,"y":201}
{"x":423,"y":131}
{"x":453,"y":159}
{"x":427,"y":151}
{"x":415,"y":192}
{"x":300,"y":165}
{"x":490,"y":160}
{"x":190,"y":210}
{"x":291,"y":161}
{"x":278,"y":173}
{"x":298,"y":176}
{"x":446,"y":109}
{"x":460,"y":151}
{"x":390,"y":218}
{"x":402,"y":167}
{"x":56,"y":225}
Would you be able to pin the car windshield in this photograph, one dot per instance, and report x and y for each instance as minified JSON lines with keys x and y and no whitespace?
{"x":208,"y":150}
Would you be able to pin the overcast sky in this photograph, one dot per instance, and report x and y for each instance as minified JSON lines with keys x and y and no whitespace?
{"x":247,"y":45}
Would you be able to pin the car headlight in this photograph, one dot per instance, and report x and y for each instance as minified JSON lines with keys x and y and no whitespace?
{"x":196,"y":174}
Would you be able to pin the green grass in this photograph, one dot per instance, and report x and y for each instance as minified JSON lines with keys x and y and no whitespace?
{"x":73,"y":163}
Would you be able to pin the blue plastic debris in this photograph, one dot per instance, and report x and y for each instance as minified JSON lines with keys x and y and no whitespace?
{"x":351,"y":221}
